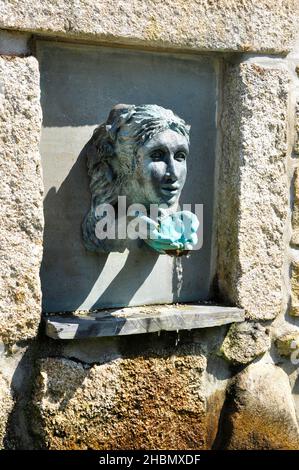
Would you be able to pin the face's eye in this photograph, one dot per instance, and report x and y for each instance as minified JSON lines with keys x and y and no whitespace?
{"x":157,"y":155}
{"x":180,"y":156}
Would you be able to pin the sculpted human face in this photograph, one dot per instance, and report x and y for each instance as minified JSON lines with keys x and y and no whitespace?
{"x":163,"y":167}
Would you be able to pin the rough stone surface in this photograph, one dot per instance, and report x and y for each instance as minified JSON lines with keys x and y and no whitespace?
{"x":253,"y":192}
{"x":287,"y":343}
{"x":260,"y":412}
{"x":161,"y":400}
{"x":17,"y":366}
{"x":295,"y":237}
{"x":21,"y":213}
{"x":10,"y":380}
{"x":245,"y":25}
{"x":296,"y":145}
{"x":6,"y":406}
{"x":244,"y":342}
{"x":296,"y":198}
{"x":295,"y":289}
{"x":14,"y":43}
{"x":295,"y":213}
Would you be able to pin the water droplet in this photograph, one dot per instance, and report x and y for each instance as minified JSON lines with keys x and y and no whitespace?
{"x":178,"y":267}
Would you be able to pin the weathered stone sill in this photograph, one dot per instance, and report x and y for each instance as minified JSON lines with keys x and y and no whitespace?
{"x":138,"y":320}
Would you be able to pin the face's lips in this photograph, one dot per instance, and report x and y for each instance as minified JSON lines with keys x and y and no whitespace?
{"x":170,"y":187}
{"x":170,"y":190}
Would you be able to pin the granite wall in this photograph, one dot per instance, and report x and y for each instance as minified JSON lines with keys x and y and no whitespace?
{"x":210,"y":388}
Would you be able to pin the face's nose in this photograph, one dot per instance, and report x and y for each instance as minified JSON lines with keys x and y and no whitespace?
{"x":171,"y":172}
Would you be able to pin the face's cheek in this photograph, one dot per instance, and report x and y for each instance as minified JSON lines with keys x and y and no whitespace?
{"x":181,"y":173}
{"x":157,"y":173}
{"x":152,"y":172}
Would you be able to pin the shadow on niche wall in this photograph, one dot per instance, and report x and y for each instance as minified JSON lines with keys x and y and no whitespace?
{"x":69,"y":272}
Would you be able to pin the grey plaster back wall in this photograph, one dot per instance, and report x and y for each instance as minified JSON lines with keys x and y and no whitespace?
{"x":79,"y":86}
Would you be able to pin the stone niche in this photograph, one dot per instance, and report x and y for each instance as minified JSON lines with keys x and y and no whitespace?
{"x":79,"y":86}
